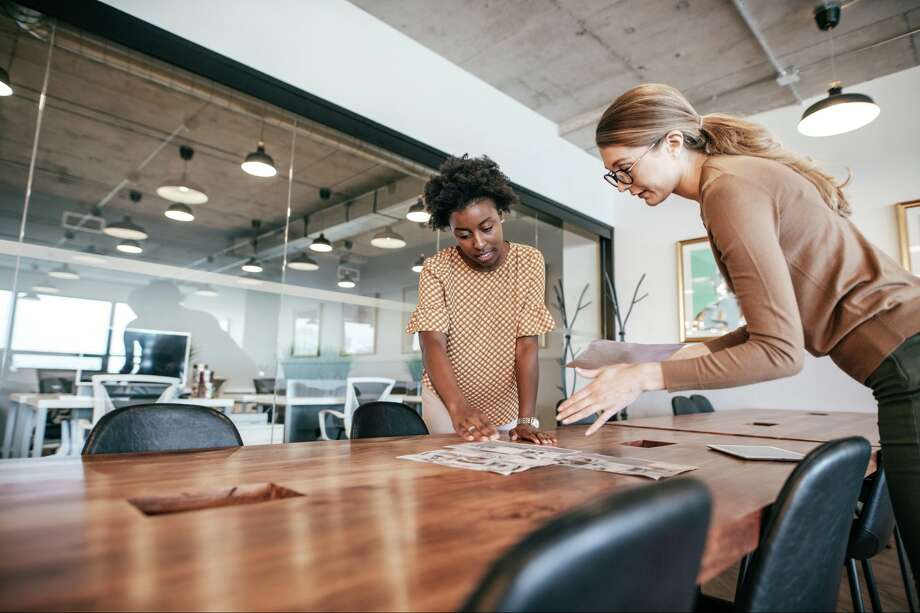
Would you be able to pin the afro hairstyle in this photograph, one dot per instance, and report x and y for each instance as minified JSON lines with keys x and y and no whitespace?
{"x":460,"y":182}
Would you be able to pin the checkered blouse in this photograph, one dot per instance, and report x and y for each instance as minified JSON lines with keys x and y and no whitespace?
{"x":483,"y":313}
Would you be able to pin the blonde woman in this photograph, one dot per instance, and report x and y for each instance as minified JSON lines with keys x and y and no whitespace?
{"x":804,"y":276}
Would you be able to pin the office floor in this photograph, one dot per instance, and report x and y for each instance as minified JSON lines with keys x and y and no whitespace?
{"x":887,"y":575}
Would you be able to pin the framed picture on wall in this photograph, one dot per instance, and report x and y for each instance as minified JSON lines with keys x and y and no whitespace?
{"x":909,"y":234}
{"x":307,"y":331}
{"x":359,"y":329}
{"x":410,"y":344}
{"x":706,"y":306}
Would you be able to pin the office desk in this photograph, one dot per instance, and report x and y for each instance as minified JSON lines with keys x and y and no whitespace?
{"x":31,"y":410}
{"x":371,"y":532}
{"x":817,"y":426}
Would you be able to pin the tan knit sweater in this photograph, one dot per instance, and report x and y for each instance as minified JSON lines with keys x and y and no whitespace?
{"x":805,"y":278}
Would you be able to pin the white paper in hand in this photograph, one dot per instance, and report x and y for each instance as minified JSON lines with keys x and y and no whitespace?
{"x":601,"y":353}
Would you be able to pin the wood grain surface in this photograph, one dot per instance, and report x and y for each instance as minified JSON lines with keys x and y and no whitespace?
{"x":371,"y":532}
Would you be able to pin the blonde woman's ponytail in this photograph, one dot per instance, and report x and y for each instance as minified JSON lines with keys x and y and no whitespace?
{"x":646,"y":112}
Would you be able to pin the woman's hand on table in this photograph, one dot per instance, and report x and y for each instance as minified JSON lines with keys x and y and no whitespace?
{"x":613,"y":388}
{"x":471,"y":425}
{"x":526,"y":432}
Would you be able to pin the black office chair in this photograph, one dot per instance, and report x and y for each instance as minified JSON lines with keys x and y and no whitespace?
{"x":804,"y":540}
{"x":637,"y":550}
{"x":382,"y":418}
{"x":161,"y":427}
{"x":681,"y":405}
{"x":870,"y":534}
{"x":702,"y":404}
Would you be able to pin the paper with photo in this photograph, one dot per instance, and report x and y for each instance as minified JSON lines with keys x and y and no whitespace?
{"x":515,"y":450}
{"x":601,"y":353}
{"x":637,"y":467}
{"x":485,"y":462}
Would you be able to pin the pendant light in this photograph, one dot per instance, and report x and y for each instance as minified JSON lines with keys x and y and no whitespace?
{"x":6,"y":88}
{"x":419,"y":263}
{"x":206,"y":291}
{"x":125,"y":229}
{"x":252,"y":265}
{"x":90,"y":255}
{"x":130,"y":246}
{"x":6,"y":85}
{"x":179,"y":212}
{"x":258,"y":163}
{"x":417,"y":213}
{"x":304,"y":263}
{"x":838,"y":113}
{"x":388,"y":239}
{"x":321,"y":244}
{"x":64,"y":272}
{"x":45,"y":287}
{"x":346,"y":282}
{"x":182,"y":189}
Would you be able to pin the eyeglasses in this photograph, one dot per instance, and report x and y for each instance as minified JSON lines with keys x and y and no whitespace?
{"x":624,"y":177}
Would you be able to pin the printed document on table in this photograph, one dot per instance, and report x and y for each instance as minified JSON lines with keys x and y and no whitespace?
{"x":484,"y":462}
{"x":637,"y":467}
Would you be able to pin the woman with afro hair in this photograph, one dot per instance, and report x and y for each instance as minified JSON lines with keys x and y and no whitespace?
{"x":480,"y":310}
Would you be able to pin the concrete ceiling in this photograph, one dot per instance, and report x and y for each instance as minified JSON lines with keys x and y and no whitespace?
{"x":113,"y":123}
{"x":568,"y":59}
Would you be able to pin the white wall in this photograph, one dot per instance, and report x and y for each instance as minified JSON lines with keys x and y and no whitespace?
{"x":885,"y":160}
{"x":334,"y":50}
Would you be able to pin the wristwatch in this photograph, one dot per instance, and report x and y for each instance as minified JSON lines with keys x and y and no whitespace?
{"x":529,"y":421}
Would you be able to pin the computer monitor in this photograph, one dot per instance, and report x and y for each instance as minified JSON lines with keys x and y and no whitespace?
{"x":156,"y":352}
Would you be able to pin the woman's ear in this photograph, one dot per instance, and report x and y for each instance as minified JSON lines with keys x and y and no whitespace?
{"x":674,"y":142}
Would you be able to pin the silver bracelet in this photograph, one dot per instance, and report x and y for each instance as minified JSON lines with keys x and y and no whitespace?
{"x":529,"y":421}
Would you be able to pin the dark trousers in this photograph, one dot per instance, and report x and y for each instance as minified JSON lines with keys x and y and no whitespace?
{"x":896,"y":385}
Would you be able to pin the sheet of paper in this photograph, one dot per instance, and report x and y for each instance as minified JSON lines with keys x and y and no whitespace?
{"x":637,"y":467}
{"x":516,"y":450}
{"x":604,"y":353}
{"x":483,"y":462}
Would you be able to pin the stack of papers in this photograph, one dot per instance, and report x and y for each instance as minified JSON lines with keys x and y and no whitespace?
{"x":509,"y":458}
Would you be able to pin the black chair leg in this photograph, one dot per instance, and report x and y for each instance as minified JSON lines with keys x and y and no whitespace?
{"x":855,"y":592}
{"x":742,"y":571}
{"x":906,"y":576}
{"x":871,"y":587}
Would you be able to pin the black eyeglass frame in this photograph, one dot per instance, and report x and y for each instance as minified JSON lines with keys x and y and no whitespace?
{"x":615,"y":178}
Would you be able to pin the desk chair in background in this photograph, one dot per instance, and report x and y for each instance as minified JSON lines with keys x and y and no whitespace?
{"x":147,"y":428}
{"x":352,"y":402}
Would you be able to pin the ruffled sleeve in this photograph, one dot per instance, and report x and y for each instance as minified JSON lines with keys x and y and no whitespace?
{"x":534,"y":318}
{"x":431,"y":312}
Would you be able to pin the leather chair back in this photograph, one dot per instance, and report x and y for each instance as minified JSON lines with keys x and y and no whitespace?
{"x":637,"y":550}
{"x":161,"y":427}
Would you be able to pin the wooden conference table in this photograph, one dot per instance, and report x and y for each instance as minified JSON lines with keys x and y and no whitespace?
{"x":370,"y":532}
{"x":817,"y":426}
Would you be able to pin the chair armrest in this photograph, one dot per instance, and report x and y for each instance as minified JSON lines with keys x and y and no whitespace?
{"x":321,"y":416}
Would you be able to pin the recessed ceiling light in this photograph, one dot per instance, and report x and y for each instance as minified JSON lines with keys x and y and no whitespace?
{"x":179,"y":212}
{"x":304,"y":263}
{"x":182,"y":189}
{"x":417,"y":213}
{"x":129,"y":246}
{"x":64,"y":272}
{"x":388,"y":239}
{"x":125,"y":229}
{"x":321,"y":244}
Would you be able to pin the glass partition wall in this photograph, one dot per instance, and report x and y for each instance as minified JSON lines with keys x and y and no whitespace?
{"x":153,"y":222}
